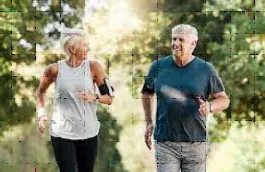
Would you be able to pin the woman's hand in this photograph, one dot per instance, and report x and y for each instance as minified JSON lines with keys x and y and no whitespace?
{"x":42,"y":119}
{"x":86,"y":96}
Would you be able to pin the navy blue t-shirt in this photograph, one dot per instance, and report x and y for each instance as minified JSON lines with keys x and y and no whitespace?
{"x":178,"y":117}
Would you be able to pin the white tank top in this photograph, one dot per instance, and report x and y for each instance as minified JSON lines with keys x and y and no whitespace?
{"x":73,"y":118}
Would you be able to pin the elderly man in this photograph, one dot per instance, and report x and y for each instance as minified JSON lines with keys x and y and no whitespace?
{"x":182,"y":84}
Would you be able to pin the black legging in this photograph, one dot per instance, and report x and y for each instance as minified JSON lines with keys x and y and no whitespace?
{"x":75,"y":155}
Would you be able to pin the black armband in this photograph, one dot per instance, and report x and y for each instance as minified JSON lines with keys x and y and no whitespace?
{"x":147,"y":89}
{"x":106,"y":88}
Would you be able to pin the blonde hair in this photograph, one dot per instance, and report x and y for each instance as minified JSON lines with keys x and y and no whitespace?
{"x":69,"y":37}
{"x":72,"y":41}
{"x":188,"y":29}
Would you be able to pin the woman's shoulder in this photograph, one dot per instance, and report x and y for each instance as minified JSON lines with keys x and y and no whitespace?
{"x":52,"y":69}
{"x":96,"y":68}
{"x":95,"y":65}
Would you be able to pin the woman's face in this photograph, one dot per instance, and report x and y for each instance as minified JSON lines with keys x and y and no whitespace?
{"x":80,"y":49}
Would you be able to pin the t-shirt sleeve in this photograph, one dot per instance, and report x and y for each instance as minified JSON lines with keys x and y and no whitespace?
{"x":215,"y":82}
{"x":149,"y":86}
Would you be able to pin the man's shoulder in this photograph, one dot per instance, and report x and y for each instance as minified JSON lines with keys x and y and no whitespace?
{"x":162,"y":61}
{"x":204,"y":64}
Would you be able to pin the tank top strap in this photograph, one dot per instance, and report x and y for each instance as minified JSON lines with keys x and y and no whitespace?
{"x":60,"y":67}
{"x":61,"y":62}
{"x":87,"y":69}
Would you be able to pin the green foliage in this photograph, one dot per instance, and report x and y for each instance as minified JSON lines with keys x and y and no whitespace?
{"x":240,"y":61}
{"x":109,"y":158}
{"x":24,"y":149}
{"x":22,"y":28}
{"x":231,"y":36}
{"x":242,"y":151}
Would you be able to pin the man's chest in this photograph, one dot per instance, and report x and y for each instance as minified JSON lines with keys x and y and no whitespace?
{"x":191,"y":83}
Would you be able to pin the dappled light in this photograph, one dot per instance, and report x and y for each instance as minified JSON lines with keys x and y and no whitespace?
{"x":126,"y":37}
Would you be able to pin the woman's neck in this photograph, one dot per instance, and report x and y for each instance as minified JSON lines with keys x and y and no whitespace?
{"x":74,"y":61}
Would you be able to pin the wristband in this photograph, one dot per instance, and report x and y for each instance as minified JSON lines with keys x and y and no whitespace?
{"x":41,"y":111}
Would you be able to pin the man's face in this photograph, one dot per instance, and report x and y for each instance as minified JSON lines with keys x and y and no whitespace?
{"x":182,"y":45}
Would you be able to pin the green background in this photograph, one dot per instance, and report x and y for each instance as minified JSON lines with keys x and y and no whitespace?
{"x":126,"y":36}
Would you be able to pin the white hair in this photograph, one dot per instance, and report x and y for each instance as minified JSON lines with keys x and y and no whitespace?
{"x":187,"y":29}
{"x":72,"y":41}
{"x":69,"y":37}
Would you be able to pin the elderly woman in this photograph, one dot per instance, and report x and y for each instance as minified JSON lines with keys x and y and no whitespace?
{"x":74,"y":125}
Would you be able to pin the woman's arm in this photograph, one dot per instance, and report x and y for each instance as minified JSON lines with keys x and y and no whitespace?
{"x":47,"y":78}
{"x":99,"y":76}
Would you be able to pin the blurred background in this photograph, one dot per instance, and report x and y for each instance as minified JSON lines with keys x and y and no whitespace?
{"x":126,"y":36}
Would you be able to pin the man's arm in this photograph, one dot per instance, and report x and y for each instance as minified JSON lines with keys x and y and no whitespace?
{"x":148,"y":101}
{"x":220,"y":102}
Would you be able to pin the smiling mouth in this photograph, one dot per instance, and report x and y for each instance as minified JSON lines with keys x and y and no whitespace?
{"x":175,"y":48}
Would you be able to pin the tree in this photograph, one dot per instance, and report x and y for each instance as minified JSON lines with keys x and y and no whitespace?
{"x":29,"y":31}
{"x":236,"y":49}
{"x":109,"y":158}
{"x":23,"y":28}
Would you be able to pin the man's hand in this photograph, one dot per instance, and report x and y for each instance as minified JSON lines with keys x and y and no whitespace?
{"x":88,"y":97}
{"x":41,"y":123}
{"x":204,"y":107}
{"x":148,"y":135}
